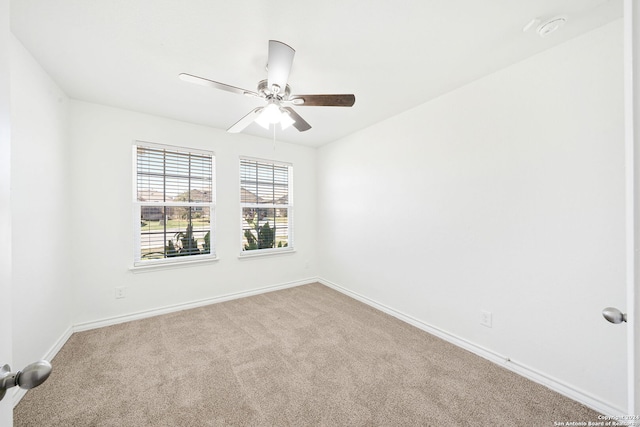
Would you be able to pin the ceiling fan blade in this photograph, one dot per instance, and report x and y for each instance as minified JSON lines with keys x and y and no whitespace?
{"x":241,"y":124}
{"x":323,"y":100}
{"x":216,"y":85}
{"x":279,"y":64}
{"x":299,"y":123}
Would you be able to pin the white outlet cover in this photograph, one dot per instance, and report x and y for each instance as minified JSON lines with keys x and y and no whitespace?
{"x":486,"y":318}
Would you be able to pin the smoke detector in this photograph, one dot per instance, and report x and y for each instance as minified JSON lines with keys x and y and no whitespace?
{"x":544,"y":28}
{"x":551,"y":25}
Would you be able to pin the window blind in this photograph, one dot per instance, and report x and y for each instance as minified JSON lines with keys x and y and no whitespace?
{"x":174,"y":196}
{"x":266,"y":204}
{"x":169,"y":176}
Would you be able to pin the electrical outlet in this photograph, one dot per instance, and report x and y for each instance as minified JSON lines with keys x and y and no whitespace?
{"x":120,"y":292}
{"x":485,"y":318}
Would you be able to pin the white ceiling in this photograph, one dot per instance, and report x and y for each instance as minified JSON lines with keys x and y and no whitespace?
{"x":392,"y":54}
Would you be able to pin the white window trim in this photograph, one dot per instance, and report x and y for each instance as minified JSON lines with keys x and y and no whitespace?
{"x":266,"y":252}
{"x":172,"y":264}
{"x":169,"y":263}
{"x":290,"y":212}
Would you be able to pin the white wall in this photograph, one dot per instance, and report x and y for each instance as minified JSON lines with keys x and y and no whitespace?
{"x":505,"y":195}
{"x":42,"y":235}
{"x":102,"y":221}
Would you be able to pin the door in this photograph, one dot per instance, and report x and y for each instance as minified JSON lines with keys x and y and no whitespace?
{"x":632,"y":136}
{"x":6,"y":337}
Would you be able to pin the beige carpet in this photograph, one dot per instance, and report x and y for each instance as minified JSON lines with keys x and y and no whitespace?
{"x":297,"y":357}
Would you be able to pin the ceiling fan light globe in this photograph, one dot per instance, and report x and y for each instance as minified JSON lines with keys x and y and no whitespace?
{"x":262,"y":121}
{"x":286,"y":120}
{"x":271,"y":113}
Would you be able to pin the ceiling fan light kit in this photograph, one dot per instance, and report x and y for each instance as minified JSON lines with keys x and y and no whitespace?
{"x":277,"y":109}
{"x":272,"y":115}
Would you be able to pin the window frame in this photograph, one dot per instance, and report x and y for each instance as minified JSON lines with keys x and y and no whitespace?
{"x":138,"y":261}
{"x":289,"y":206}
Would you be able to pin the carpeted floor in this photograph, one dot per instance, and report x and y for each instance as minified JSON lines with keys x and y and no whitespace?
{"x":297,"y":357}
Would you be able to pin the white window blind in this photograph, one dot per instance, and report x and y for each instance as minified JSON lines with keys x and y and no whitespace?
{"x":174,"y":199}
{"x":266,"y":205}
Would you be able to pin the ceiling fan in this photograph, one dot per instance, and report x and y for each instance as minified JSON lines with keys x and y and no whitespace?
{"x":277,"y":94}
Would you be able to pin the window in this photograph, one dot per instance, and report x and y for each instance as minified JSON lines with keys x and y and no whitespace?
{"x":174,"y":200}
{"x":266,"y":205}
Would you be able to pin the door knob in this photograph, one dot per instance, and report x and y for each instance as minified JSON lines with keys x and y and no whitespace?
{"x":31,"y":376}
{"x":614,"y":315}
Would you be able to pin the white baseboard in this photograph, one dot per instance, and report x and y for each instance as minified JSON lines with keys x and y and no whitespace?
{"x":523,"y":370}
{"x":185,"y":306}
{"x":19,"y":393}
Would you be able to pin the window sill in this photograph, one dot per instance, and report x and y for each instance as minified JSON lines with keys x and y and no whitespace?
{"x":143,"y":268}
{"x":265,"y":253}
